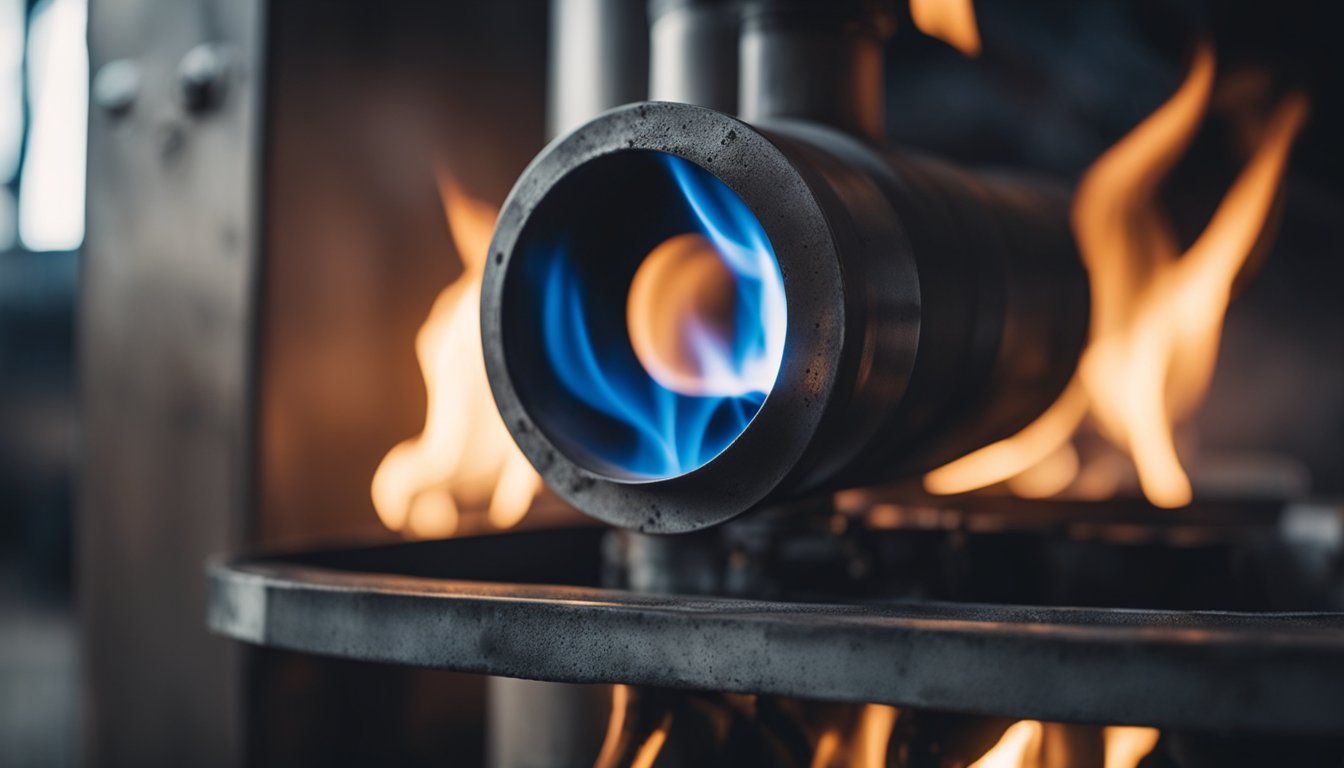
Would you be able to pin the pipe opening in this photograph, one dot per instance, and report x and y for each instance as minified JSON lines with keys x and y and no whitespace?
{"x":644,"y":317}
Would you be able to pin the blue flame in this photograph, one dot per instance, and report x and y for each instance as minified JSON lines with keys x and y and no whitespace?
{"x":662,"y":432}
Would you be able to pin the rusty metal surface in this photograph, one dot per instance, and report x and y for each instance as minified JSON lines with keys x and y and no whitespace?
{"x":467,"y":605}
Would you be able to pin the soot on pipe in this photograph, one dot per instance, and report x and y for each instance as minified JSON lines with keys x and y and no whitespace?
{"x":686,"y":316}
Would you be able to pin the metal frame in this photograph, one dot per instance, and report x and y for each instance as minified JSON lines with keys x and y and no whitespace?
{"x":1190,"y":670}
{"x":166,"y":324}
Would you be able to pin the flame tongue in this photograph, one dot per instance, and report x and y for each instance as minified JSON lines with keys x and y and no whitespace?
{"x":952,"y":21}
{"x":1156,"y":313}
{"x":422,"y":482}
{"x":681,"y":318}
{"x":1026,"y":745}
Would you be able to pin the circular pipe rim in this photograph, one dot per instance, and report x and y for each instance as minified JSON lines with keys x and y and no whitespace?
{"x":760,"y":459}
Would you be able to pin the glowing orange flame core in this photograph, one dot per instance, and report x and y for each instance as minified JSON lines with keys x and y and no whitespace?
{"x":681,"y":310}
{"x":1156,"y":313}
{"x":464,"y":456}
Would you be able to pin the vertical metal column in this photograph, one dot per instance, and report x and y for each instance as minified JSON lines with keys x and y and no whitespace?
{"x":693,"y":52}
{"x":165,"y":356}
{"x":818,"y":60}
{"x":599,"y":59}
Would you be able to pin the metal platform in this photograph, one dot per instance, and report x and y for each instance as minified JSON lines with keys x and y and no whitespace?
{"x":523,"y":605}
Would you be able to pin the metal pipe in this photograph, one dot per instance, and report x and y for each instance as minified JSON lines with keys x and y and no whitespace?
{"x":929,"y":312}
{"x":818,"y":60}
{"x":693,"y":52}
{"x":598,"y":60}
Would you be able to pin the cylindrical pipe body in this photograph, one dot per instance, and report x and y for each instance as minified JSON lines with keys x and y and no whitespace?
{"x":599,"y":59}
{"x":693,"y":52}
{"x":929,"y":311}
{"x":1001,"y":311}
{"x":817,"y":60}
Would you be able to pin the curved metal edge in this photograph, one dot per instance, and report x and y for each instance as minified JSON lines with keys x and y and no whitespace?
{"x":1200,"y":671}
{"x":764,"y":177}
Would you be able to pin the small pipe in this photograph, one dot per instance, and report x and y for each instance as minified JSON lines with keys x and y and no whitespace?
{"x":599,"y":58}
{"x":693,"y":52}
{"x":818,"y":60}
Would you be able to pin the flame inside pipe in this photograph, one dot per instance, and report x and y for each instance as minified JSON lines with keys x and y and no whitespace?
{"x":1156,"y":313}
{"x":706,"y":321}
{"x":611,"y":742}
{"x":681,"y":318}
{"x":464,"y":456}
{"x":706,"y":310}
{"x":874,"y":736}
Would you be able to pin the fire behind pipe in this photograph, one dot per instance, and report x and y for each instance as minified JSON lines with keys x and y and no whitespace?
{"x":877,"y":312}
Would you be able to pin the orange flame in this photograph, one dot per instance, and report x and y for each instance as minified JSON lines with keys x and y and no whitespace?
{"x":1017,"y":748}
{"x":465,"y":456}
{"x":1156,"y":313}
{"x":952,"y":21}
{"x":1126,"y":746}
{"x":648,"y":751}
{"x":680,"y":309}
{"x":1023,"y":746}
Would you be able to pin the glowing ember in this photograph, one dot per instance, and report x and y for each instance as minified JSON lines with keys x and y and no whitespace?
{"x":706,"y":312}
{"x":465,"y":457}
{"x":1156,"y":313}
{"x":1023,"y":745}
{"x":874,"y":735}
{"x":952,"y":21}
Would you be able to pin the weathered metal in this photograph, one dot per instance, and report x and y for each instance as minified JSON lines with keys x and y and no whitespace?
{"x":476,"y":605}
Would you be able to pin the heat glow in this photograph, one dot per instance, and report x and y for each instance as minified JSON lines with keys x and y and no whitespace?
{"x":464,"y":457}
{"x":1157,"y":313}
{"x":952,"y":21}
